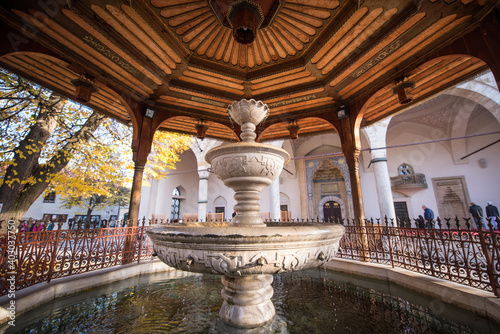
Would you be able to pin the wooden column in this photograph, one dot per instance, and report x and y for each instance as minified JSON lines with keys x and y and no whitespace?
{"x":144,"y":129}
{"x":352,"y":160}
{"x":351,"y":153}
{"x":135,"y":194}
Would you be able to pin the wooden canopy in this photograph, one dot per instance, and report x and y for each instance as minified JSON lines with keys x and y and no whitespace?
{"x":308,"y":58}
{"x":320,"y":65}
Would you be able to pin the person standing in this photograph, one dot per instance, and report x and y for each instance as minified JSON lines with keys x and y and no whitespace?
{"x":24,"y":227}
{"x":428,"y":216}
{"x":492,"y":214}
{"x":420,"y":221}
{"x":477,"y":213}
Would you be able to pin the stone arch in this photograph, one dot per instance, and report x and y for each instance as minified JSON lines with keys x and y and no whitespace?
{"x":328,"y":177}
{"x":313,"y":143}
{"x":285,"y":200}
{"x":334,"y":199}
{"x":221,"y":202}
{"x":200,"y":149}
{"x":472,"y":93}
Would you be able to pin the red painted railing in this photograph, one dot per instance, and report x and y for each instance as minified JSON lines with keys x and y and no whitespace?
{"x":34,"y":257}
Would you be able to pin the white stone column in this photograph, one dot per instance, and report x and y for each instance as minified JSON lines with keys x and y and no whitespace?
{"x":203,"y":174}
{"x":200,"y":148}
{"x":274,"y":192}
{"x":274,"y":198}
{"x":376,"y":134}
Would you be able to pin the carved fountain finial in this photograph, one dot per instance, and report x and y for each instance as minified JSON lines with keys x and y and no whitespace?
{"x":247,"y":114}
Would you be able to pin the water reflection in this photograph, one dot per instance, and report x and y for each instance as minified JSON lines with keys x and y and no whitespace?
{"x":311,"y":301}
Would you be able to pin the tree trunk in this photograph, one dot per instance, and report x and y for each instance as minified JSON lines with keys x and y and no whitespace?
{"x":25,"y":160}
{"x":16,"y":193}
{"x":90,"y":208}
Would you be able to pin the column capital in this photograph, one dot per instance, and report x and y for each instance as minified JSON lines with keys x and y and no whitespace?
{"x":376,"y":133}
{"x":203,"y":173}
{"x":139,"y":167}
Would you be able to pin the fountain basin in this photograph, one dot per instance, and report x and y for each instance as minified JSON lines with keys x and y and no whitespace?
{"x":247,"y":168}
{"x":239,"y":251}
{"x":247,"y":159}
{"x":247,"y":257}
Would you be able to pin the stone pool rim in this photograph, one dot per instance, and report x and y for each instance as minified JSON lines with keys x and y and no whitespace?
{"x":480,"y":302}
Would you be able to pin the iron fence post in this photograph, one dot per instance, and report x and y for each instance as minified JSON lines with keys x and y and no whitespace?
{"x":365,"y":241}
{"x":140,"y":242}
{"x":489,"y":259}
{"x":389,"y":233}
{"x":54,"y":253}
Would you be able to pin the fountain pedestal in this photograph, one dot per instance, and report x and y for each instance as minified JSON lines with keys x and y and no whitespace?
{"x":247,"y":251}
{"x":247,"y":300}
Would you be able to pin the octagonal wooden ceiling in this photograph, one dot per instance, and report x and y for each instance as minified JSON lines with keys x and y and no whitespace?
{"x":180,"y":57}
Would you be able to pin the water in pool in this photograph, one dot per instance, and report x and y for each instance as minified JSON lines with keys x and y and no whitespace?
{"x":311,"y":301}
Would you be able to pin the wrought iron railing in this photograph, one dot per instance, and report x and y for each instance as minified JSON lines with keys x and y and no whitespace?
{"x":452,"y":251}
{"x":29,"y":258}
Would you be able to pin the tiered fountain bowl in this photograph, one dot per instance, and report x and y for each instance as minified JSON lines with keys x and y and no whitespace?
{"x":247,"y":252}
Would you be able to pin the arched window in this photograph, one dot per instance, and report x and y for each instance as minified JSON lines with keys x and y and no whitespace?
{"x":176,"y":204}
{"x":405,"y":169}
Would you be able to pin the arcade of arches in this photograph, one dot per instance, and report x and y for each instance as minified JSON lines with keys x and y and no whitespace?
{"x":423,"y":162}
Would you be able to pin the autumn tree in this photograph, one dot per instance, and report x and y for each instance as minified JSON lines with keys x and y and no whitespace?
{"x":51,"y":144}
{"x":115,"y":196}
{"x":165,"y":152}
{"x":99,"y":174}
{"x":87,"y":184}
{"x":40,"y":131}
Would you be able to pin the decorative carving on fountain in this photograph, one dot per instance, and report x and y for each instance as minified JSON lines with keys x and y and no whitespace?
{"x":249,"y":164}
{"x":250,"y":262}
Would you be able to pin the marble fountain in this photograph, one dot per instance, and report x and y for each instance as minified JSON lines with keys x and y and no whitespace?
{"x":246,"y":252}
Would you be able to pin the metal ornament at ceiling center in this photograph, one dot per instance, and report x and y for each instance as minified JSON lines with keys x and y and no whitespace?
{"x":245,"y":17}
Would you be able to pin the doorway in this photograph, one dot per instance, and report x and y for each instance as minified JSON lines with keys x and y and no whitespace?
{"x":332,"y":211}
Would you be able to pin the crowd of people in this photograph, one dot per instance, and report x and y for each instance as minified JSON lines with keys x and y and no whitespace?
{"x":492,"y":215}
{"x":491,"y":221}
{"x":32,"y":225}
{"x":35,"y":226}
